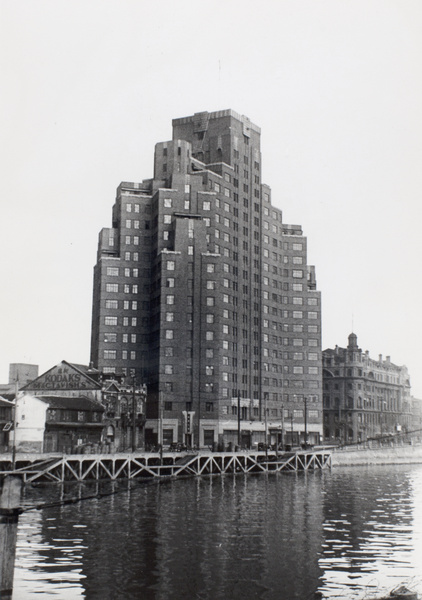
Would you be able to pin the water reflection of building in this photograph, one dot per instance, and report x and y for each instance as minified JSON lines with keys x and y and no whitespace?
{"x":228,"y":537}
{"x":368,"y":522}
{"x":363,"y":397}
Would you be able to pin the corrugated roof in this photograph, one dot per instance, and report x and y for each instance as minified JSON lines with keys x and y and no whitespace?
{"x":6,"y":403}
{"x":80,"y":403}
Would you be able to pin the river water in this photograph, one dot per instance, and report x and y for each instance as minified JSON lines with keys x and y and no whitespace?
{"x":347,"y":533}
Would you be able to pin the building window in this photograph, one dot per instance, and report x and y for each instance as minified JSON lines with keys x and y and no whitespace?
{"x":209,"y":318}
{"x":210,"y":268}
{"x":297,"y":274}
{"x":170,"y":316}
{"x":297,"y":314}
{"x":110,"y":354}
{"x":170,"y":265}
{"x":209,"y":335}
{"x":168,"y":405}
{"x":113,"y":271}
{"x":111,"y":304}
{"x":169,"y":299}
{"x":210,"y":301}
{"x":312,"y":315}
{"x":169,"y":334}
{"x":167,"y":202}
{"x":206,"y":205}
{"x":298,"y":370}
{"x":110,"y":337}
{"x":110,"y":320}
{"x":168,"y":369}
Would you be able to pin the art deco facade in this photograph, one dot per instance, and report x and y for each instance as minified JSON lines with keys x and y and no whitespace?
{"x":204,"y":293}
{"x":364,"y":397}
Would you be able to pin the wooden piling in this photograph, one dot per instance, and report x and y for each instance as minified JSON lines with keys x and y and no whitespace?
{"x":9,"y":515}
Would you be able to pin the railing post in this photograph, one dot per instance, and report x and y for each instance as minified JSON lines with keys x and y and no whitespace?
{"x":9,"y":515}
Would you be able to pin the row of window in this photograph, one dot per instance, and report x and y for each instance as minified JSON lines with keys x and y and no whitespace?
{"x":132,"y":223}
{"x":111,"y":337}
{"x":125,"y":355}
{"x":271,"y":412}
{"x":135,"y":208}
{"x":126,"y":304}
{"x":126,"y":321}
{"x":209,"y":335}
{"x":299,"y":370}
{"x":127,"y":288}
{"x":114,"y":272}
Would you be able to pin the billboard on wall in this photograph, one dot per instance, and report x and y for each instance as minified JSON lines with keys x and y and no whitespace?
{"x":63,"y":376}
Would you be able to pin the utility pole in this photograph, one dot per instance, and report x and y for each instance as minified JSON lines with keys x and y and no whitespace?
{"x":282,"y":427}
{"x":266,"y":424}
{"x":306,"y":421}
{"x":291,"y":426}
{"x":14,"y":424}
{"x":133,"y":414}
{"x":238,"y":418}
{"x":160,"y":426}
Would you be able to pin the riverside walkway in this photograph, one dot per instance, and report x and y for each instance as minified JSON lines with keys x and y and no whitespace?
{"x":58,"y":468}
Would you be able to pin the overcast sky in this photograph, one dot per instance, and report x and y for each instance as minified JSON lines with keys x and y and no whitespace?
{"x":89,"y":86}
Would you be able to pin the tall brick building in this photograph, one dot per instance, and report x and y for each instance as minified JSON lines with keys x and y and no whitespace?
{"x":204,"y":293}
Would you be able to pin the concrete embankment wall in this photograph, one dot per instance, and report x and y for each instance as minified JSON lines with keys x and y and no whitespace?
{"x":383,"y":456}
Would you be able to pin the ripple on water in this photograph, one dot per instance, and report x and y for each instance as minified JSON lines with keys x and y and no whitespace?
{"x":350,"y":533}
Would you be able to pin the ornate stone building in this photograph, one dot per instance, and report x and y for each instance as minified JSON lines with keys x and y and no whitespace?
{"x":363,"y":397}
